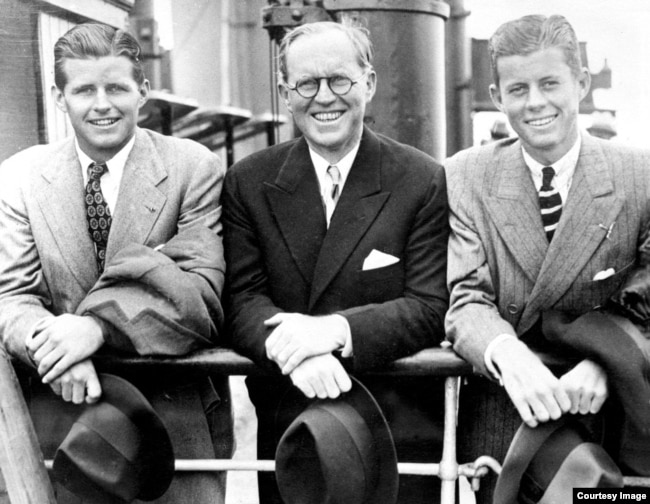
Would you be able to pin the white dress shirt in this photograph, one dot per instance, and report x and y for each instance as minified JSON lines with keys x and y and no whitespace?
{"x":110,"y":181}
{"x":324,"y":180}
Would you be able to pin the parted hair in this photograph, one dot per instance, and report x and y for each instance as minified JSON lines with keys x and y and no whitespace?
{"x":358,"y":35}
{"x":96,"y":40}
{"x":529,"y":34}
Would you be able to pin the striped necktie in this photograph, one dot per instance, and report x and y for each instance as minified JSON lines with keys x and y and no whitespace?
{"x":98,"y":214}
{"x":550,"y":203}
{"x":332,"y":191}
{"x":335,"y":175}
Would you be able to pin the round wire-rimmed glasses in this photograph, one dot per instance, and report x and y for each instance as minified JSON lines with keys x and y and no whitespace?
{"x":340,"y":85}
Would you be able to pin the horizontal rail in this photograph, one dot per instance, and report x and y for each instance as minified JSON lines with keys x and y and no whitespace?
{"x":428,"y":362}
{"x":216,"y":465}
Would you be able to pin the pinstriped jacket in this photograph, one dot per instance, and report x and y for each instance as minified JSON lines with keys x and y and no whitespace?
{"x":502,"y":272}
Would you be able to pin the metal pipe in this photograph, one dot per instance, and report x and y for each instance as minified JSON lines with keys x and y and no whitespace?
{"x":459,"y":79}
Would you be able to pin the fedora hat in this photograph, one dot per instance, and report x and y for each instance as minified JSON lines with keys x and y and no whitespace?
{"x":117,"y":450}
{"x":544,"y":464}
{"x":337,"y":451}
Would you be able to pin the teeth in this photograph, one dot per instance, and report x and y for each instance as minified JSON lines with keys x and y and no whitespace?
{"x":328,"y":116}
{"x":541,"y":122}
{"x":104,"y":122}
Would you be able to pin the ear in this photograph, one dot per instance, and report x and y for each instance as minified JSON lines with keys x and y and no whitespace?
{"x":584,"y":82}
{"x":283,"y":91}
{"x":145,"y":87}
{"x":495,"y":94}
{"x":59,"y":99}
{"x":371,"y":85}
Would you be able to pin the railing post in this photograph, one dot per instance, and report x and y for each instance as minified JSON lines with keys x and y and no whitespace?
{"x":448,"y":472}
{"x":21,"y":459}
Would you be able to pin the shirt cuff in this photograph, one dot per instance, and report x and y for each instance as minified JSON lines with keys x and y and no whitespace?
{"x":487,"y":356}
{"x":346,"y":350}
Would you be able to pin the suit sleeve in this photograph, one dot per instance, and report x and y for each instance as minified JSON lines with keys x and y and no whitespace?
{"x":248,"y":300}
{"x":398,"y":327}
{"x":168,"y":302}
{"x":24,"y":296}
{"x":473,"y":318}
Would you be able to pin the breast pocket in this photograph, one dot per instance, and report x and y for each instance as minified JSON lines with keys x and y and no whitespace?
{"x":382,"y":284}
{"x":608,"y":286}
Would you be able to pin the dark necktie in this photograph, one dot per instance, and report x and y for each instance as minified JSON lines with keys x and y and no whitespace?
{"x":550,"y":202}
{"x":97,"y":212}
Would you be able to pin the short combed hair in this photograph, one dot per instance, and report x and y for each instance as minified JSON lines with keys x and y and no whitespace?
{"x":96,"y":40}
{"x":529,"y":34}
{"x":358,"y":35}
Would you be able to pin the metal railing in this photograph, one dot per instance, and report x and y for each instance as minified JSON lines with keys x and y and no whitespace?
{"x":20,"y":455}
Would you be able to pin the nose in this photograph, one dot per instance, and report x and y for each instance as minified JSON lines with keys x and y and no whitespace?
{"x":536,"y":97}
{"x":102,"y":103}
{"x":324,"y":94}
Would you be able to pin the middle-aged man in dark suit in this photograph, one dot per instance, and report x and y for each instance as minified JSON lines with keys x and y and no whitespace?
{"x":337,"y":269}
{"x":123,"y":256}
{"x":551,"y":220}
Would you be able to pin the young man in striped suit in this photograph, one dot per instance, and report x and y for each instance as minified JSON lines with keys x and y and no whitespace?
{"x":549,"y":220}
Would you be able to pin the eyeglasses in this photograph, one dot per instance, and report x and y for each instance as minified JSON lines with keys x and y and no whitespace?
{"x":339,"y":85}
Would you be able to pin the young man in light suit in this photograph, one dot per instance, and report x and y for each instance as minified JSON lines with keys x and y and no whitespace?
{"x":526,"y":239}
{"x":89,"y":261}
{"x":332,"y":273}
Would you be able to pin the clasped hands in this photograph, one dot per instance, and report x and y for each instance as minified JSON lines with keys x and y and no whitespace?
{"x":302,"y":346}
{"x":538,"y":395}
{"x":61,"y":350}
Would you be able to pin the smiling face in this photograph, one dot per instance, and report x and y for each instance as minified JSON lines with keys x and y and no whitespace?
{"x":331,"y":124}
{"x":541,"y":95}
{"x":102,"y":99}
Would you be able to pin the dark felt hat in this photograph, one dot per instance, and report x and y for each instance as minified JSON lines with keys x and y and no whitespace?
{"x":544,"y":464}
{"x":338,"y":451}
{"x":117,"y":450}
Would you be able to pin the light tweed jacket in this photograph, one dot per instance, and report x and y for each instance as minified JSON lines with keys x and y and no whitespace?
{"x":47,"y":258}
{"x":502,"y":272}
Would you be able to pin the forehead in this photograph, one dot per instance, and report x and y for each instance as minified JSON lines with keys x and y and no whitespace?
{"x":97,"y":70}
{"x":322,"y":54}
{"x":547,"y":62}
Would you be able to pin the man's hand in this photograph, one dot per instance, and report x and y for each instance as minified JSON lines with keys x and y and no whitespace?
{"x":536,"y":393}
{"x":297,"y":337}
{"x":66,"y":340}
{"x":78,"y":384}
{"x":322,"y":376}
{"x":586,"y":386}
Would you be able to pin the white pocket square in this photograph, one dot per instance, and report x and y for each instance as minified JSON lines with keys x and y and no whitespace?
{"x":377,"y":259}
{"x":602,"y":275}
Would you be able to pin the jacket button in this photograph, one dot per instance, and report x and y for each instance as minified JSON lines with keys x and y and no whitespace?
{"x":512,"y":308}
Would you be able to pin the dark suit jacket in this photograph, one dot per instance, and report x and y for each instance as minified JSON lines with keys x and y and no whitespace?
{"x":282,"y":258}
{"x":48,"y":265}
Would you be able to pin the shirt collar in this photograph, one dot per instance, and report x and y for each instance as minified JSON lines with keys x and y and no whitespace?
{"x":564,"y":167}
{"x":115,"y":165}
{"x":344,"y":165}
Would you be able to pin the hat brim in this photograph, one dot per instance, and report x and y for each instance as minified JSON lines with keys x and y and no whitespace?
{"x":362,"y":401}
{"x":154,"y":458}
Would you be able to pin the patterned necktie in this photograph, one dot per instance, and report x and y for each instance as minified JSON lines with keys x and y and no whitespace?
{"x":97,"y":212}
{"x":550,"y":202}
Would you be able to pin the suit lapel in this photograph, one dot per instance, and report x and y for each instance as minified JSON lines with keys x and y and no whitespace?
{"x":59,"y":193}
{"x":294,"y":198}
{"x":357,"y":208}
{"x":592,"y":206}
{"x":514,"y":208}
{"x":140,"y":200}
